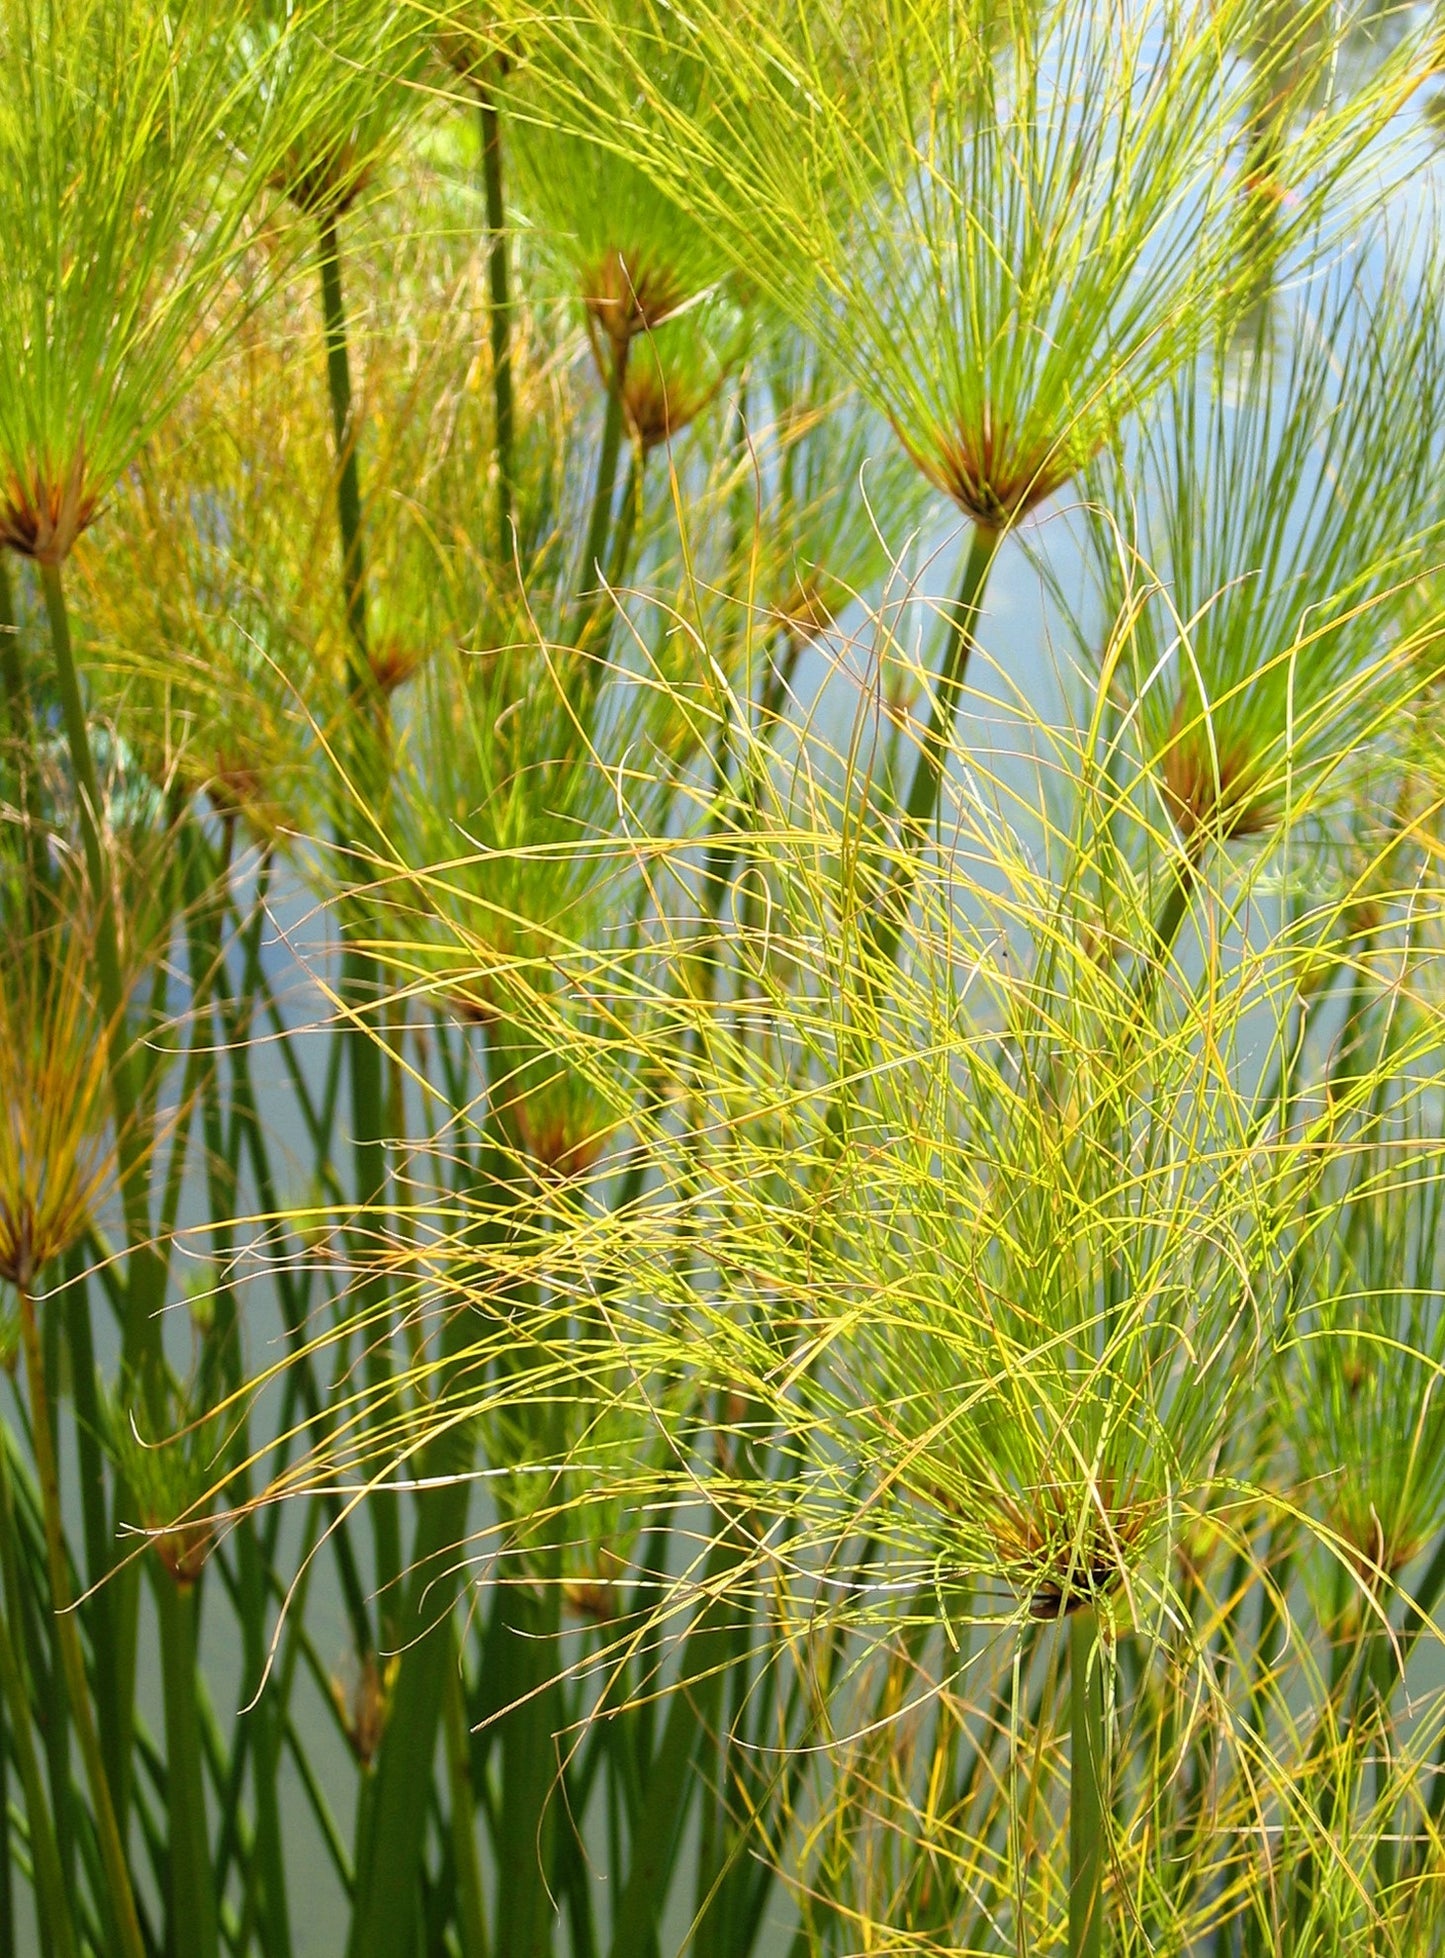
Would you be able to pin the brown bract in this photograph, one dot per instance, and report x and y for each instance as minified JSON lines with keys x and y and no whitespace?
{"x":465,"y":53}
{"x":183,"y":1548}
{"x":625,"y":296}
{"x":323,"y":184}
{"x":240,"y":789}
{"x":989,"y":479}
{"x":1377,"y":1557}
{"x":42,"y":513}
{"x":393,"y":662}
{"x":1059,"y":1561}
{"x":1212,"y":791}
{"x":362,"y":1706}
{"x":477,"y":1008}
{"x":475,"y":54}
{"x":233,"y":786}
{"x":598,"y":1595}
{"x":804,"y":614}
{"x":559,"y":1142}
{"x":659,"y":408}
{"x":478,"y":49}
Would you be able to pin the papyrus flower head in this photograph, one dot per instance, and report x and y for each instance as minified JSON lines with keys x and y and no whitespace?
{"x":131,"y":147}
{"x":57,"y":1155}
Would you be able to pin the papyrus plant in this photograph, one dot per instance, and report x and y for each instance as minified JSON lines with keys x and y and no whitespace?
{"x":57,"y":1155}
{"x":353,"y":64}
{"x":993,"y":1249}
{"x":58,"y":1160}
{"x":775,"y":1316}
{"x":660,"y":309}
{"x":1361,"y":1376}
{"x":134,"y":156}
{"x":136,"y":145}
{"x":1283,"y":509}
{"x":123,"y":220}
{"x":1009,"y":228}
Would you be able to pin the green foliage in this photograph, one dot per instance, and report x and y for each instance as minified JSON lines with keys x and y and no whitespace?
{"x":754,"y":1260}
{"x":123,"y":212}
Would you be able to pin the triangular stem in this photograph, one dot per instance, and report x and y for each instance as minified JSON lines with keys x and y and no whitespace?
{"x":1086,"y":1786}
{"x":947,"y":693}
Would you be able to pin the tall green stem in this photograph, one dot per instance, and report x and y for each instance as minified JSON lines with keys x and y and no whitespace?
{"x":1166,"y":927}
{"x":471,"y":1908}
{"x":948,"y":692}
{"x":120,"y":1901}
{"x":146,"y":1276}
{"x":369,"y":747}
{"x":52,"y":1904}
{"x":267,"y":1717}
{"x":369,"y":1157}
{"x":348,"y":475}
{"x":627,"y":512}
{"x":529,"y":1609}
{"x":17,"y":703}
{"x":11,"y":669}
{"x":594,"y":555}
{"x":500,"y":319}
{"x":391,"y":1822}
{"x":1086,"y":1786}
{"x":669,"y":1777}
{"x":192,"y":1899}
{"x":105,"y":1610}
{"x":9,"y":1864}
{"x":923,"y":791}
{"x":392,"y":1832}
{"x":392,"y":1819}
{"x":598,"y":568}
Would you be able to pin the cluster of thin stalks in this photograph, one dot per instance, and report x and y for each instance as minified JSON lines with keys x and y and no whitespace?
{"x":699,"y":1252}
